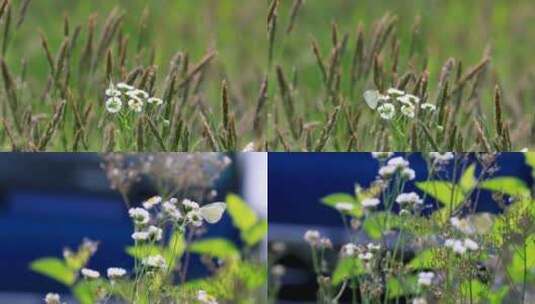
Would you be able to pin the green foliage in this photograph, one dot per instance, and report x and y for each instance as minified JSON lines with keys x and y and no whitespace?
{"x":252,"y":229}
{"x":468,"y":179}
{"x":84,"y":291}
{"x":523,"y":256}
{"x":347,"y":268}
{"x":333,"y":199}
{"x":530,"y":161}
{"x":398,"y":288}
{"x":55,"y":269}
{"x":508,"y":185}
{"x":424,"y":260}
{"x":219,"y":248}
{"x":379,"y":222}
{"x":446,"y":193}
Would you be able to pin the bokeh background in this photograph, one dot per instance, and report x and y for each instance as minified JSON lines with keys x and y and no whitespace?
{"x":52,"y":201}
{"x":298,"y":181}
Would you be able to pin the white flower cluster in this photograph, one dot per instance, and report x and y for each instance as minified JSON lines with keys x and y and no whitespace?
{"x":441,"y":159}
{"x":425,"y":278}
{"x":409,"y":202}
{"x":395,"y":165}
{"x":155,"y":261}
{"x":187,"y":212}
{"x":90,"y":273}
{"x":314,"y":239}
{"x":52,"y":298}
{"x":385,"y":104}
{"x":460,"y":246}
{"x":135,"y":99}
{"x":364,"y":254}
{"x":204,"y":298}
{"x":115,"y":273}
{"x":463,"y":225}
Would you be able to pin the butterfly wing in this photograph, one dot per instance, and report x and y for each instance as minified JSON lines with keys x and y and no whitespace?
{"x":371,"y":97}
{"x":212,"y":213}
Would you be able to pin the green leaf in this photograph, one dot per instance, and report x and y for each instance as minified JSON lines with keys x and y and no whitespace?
{"x":397,"y":288}
{"x":55,"y":269}
{"x":478,"y":290}
{"x":516,"y":267}
{"x":530,"y":161}
{"x":423,"y":260}
{"x":84,"y":292}
{"x":468,"y":180}
{"x":347,"y":268}
{"x":143,"y":251}
{"x":444,"y":192}
{"x":219,"y":248}
{"x":243,"y":216}
{"x":379,"y":222}
{"x":176,"y":245}
{"x":496,"y":296}
{"x":337,"y":198}
{"x":508,"y":185}
{"x":256,"y":233}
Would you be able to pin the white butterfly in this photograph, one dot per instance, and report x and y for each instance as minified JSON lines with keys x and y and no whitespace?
{"x":213,"y":212}
{"x":371,"y":97}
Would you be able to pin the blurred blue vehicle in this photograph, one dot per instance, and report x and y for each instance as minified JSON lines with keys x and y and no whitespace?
{"x":297,"y":182}
{"x":49,"y":201}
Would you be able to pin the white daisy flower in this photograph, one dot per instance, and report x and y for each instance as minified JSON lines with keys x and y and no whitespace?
{"x":471,"y":244}
{"x":154,"y":100}
{"x":413,"y":98}
{"x":136,"y":105}
{"x":365,"y":256}
{"x":386,"y":111}
{"x":408,"y":174}
{"x":398,"y":162}
{"x":428,"y":106}
{"x":441,"y":158}
{"x":90,"y":273}
{"x":116,"y":273}
{"x":408,"y":111}
{"x":411,"y":198}
{"x":190,"y":205}
{"x":349,"y":250}
{"x":370,"y":202}
{"x":112,"y":92}
{"x":312,"y":237}
{"x":139,"y":215}
{"x":425,"y":278}
{"x":155,"y":233}
{"x":140,"y":236}
{"x":195,"y":218}
{"x":114,"y":105}
{"x":52,"y":298}
{"x":171,"y":211}
{"x":155,"y":261}
{"x":136,"y":93}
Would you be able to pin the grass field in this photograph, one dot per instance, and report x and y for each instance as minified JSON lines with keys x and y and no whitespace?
{"x":411,"y":39}
{"x":208,"y":59}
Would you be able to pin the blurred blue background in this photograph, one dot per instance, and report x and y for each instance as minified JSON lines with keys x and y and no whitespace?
{"x":297,"y":182}
{"x":49,"y":201}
